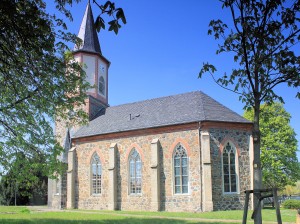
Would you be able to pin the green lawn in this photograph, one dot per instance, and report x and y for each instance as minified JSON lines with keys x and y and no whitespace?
{"x":23,"y":215}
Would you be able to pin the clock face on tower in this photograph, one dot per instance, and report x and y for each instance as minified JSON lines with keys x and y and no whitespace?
{"x":101,"y":69}
{"x":101,"y":80}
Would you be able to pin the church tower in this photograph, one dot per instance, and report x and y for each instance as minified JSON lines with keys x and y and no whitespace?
{"x":95,"y":64}
{"x":89,"y":55}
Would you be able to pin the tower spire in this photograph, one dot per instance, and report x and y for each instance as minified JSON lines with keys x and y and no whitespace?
{"x":87,"y":33}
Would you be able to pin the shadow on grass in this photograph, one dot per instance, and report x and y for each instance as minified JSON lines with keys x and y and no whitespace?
{"x":269,"y":208}
{"x":106,"y":221}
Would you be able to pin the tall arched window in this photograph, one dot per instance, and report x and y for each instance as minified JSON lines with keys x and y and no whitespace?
{"x":230,"y":177}
{"x":101,"y":85}
{"x":181,"y":177}
{"x":135,"y":173}
{"x":96,"y":174}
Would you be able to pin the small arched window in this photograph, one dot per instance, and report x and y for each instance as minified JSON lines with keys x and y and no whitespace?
{"x":135,"y":173}
{"x":96,"y":174}
{"x":230,"y":177}
{"x":101,"y":85}
{"x":181,"y":177}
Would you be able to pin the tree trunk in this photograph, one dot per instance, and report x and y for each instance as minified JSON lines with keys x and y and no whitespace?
{"x":257,"y":173}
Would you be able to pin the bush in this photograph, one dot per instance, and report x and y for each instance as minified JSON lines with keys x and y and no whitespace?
{"x":291,"y":204}
{"x":25,"y":211}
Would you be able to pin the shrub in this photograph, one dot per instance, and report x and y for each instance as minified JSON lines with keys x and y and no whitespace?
{"x":291,"y":204}
{"x":25,"y":211}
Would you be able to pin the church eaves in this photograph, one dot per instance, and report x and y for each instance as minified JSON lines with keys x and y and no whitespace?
{"x":87,"y":33}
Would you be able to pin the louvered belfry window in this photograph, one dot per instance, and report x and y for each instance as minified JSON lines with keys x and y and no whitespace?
{"x":135,"y":173}
{"x":101,"y":85}
{"x":181,"y":177}
{"x":96,"y":174}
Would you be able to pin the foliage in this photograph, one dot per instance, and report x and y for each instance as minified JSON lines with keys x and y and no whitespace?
{"x":18,"y":187}
{"x":39,"y":81}
{"x":291,"y":204}
{"x":7,"y":192}
{"x":34,"y":85}
{"x":110,"y":9}
{"x":291,"y":190}
{"x":262,"y":40}
{"x":280,"y":165}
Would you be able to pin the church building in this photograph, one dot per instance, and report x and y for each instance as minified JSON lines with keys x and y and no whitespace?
{"x":185,"y":152}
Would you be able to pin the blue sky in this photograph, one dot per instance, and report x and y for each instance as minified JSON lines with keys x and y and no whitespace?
{"x":159,"y":52}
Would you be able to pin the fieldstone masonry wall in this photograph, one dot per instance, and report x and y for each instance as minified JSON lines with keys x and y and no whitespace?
{"x":241,"y":140}
{"x":168,"y":200}
{"x":156,"y":152}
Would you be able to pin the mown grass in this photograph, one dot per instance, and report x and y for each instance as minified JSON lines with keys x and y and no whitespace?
{"x":14,"y":214}
{"x":268,"y":214}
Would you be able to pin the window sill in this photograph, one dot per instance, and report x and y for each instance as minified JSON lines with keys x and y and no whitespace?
{"x":183,"y":194}
{"x":135,"y":195}
{"x":96,"y":195}
{"x":230,"y":194}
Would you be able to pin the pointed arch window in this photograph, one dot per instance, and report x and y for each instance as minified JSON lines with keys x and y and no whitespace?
{"x":96,"y":174}
{"x":101,"y":85}
{"x":135,"y":173}
{"x":181,"y":177}
{"x":230,"y":176}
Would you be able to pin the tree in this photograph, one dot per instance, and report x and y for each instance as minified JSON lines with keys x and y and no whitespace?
{"x":39,"y":79}
{"x":279,"y":161}
{"x":262,"y":39}
{"x":292,"y":189}
{"x":19,"y":188}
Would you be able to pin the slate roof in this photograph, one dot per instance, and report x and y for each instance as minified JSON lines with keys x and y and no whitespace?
{"x":87,"y":33}
{"x":164,"y":111}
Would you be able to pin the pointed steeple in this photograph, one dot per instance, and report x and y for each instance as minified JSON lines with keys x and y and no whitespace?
{"x":87,"y":33}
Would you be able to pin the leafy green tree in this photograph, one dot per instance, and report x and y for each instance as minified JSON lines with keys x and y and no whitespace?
{"x":279,"y":161}
{"x":291,"y":189}
{"x":17,"y":187}
{"x":39,"y":79}
{"x":7,"y":191}
{"x":262,"y":40}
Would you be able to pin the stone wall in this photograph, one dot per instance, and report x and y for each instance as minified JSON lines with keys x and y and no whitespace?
{"x":241,"y":140}
{"x":58,"y":199}
{"x":169,"y":201}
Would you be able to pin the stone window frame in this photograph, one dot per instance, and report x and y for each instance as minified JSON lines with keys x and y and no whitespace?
{"x":97,"y":180}
{"x":187,"y":167}
{"x":237,"y":176}
{"x":132,"y":151}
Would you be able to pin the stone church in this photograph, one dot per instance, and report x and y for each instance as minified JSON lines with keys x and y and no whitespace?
{"x":185,"y":152}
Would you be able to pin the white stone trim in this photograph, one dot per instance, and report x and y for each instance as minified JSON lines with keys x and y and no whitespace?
{"x":207,"y":203}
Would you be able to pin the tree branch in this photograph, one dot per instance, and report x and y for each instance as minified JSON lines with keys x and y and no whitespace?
{"x":30,"y":94}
